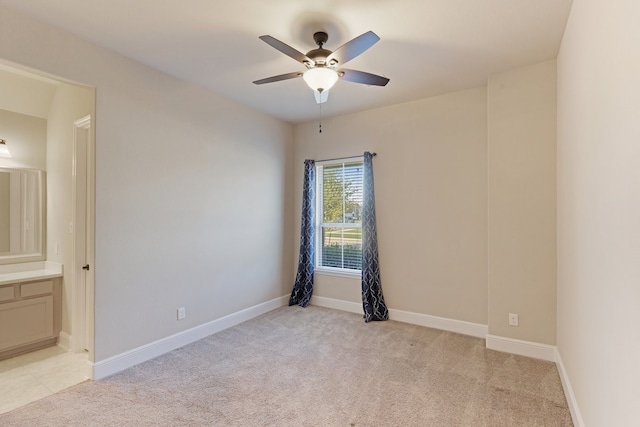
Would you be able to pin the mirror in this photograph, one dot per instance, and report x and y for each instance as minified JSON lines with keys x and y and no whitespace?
{"x":22,"y":215}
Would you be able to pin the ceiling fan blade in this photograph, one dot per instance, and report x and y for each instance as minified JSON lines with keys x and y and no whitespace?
{"x":279,"y":78}
{"x":353,"y":48}
{"x":286,"y":49}
{"x":362,"y":77}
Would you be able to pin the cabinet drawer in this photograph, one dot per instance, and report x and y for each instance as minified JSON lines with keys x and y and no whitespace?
{"x":38,"y":288}
{"x":6,"y":293}
{"x":26,"y":321}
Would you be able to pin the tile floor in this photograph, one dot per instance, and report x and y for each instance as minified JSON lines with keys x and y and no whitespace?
{"x":32,"y":376}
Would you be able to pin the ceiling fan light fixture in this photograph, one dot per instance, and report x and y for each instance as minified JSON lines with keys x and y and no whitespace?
{"x":4,"y":150}
{"x":321,"y":97}
{"x":320,"y":78}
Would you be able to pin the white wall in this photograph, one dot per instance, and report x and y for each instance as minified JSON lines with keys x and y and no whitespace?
{"x":431,"y":200}
{"x":599,"y":210}
{"x":522,"y":202}
{"x":192,"y":200}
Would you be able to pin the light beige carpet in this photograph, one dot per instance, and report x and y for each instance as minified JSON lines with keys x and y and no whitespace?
{"x":316,"y":367}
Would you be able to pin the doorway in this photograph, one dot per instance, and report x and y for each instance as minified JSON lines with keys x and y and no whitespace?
{"x":65,"y":152}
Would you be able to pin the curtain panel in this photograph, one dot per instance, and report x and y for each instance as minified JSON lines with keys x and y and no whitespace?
{"x":372,"y":298}
{"x":303,"y":287}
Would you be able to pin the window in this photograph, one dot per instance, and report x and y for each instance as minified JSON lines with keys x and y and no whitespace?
{"x":339,"y":216}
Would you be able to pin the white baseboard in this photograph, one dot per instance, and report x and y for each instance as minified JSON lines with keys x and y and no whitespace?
{"x":122,"y":361}
{"x":568,"y":392}
{"x":64,"y":340}
{"x":337,"y":304}
{"x":523,"y":348}
{"x":451,"y":325}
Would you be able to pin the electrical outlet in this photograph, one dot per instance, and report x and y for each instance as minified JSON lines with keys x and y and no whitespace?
{"x":513,"y":319}
{"x":182,"y":313}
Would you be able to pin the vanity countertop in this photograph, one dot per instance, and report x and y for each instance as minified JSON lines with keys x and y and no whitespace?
{"x":29,"y":271}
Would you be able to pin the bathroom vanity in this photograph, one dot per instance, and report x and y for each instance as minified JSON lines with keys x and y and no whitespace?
{"x":30,"y":307}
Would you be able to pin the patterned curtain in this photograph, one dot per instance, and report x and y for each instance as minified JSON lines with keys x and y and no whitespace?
{"x":372,"y":299}
{"x":303,"y":287}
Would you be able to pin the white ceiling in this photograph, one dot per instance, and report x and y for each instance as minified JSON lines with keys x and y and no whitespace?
{"x":427,"y":47}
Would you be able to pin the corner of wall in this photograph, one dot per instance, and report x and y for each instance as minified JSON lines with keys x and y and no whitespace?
{"x":522,"y":204}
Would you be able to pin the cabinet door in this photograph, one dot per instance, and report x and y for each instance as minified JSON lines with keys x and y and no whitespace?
{"x":26,"y":321}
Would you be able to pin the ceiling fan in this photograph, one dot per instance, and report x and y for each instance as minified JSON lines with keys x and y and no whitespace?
{"x":323,"y":65}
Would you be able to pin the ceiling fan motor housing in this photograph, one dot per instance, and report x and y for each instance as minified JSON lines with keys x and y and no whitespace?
{"x":320,"y":38}
{"x":319,"y":55}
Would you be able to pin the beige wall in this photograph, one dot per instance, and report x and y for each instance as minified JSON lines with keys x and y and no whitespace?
{"x":69,"y":104}
{"x":5,"y":233}
{"x":431,"y":200}
{"x":192,"y":192}
{"x":522,"y":202}
{"x":599,"y":210}
{"x":26,"y":138}
{"x":24,"y":94}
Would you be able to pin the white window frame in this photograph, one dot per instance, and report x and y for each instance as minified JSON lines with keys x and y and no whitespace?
{"x":333,"y":271}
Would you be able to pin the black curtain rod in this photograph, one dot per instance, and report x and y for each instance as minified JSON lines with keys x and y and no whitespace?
{"x":342,"y":158}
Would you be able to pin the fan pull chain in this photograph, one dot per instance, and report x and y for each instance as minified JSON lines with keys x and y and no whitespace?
{"x":320,"y":123}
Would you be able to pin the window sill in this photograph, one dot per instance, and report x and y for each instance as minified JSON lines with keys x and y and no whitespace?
{"x":351,"y":274}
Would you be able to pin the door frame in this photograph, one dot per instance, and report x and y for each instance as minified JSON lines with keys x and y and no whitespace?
{"x":82,"y":321}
